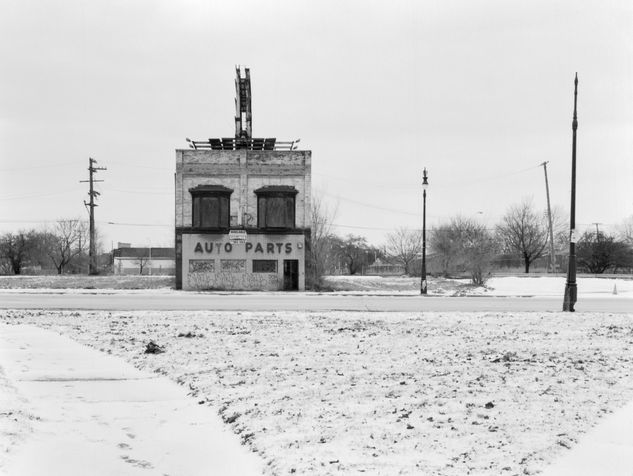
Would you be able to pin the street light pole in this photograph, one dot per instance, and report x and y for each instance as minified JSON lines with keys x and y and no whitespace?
{"x":571,"y":290}
{"x":425,"y":184}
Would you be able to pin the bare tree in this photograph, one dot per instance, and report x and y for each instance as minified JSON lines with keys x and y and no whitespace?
{"x":444,"y":242}
{"x":561,"y":229}
{"x":320,"y":246}
{"x":15,"y":248}
{"x":142,"y":261}
{"x":65,"y":242}
{"x":478,"y":248}
{"x":524,"y":231}
{"x":465,"y":245}
{"x":404,"y":246}
{"x":354,"y":252}
{"x":597,"y":252}
{"x":625,"y":231}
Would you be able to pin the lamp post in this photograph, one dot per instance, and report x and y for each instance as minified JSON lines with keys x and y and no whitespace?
{"x":571,"y":290}
{"x":425,"y":184}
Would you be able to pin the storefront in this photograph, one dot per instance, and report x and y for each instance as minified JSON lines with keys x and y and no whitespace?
{"x":260,"y":261}
{"x":242,"y":209}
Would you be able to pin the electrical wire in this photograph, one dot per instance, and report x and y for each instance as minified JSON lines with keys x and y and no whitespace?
{"x":47,"y":166}
{"x":22,"y":197}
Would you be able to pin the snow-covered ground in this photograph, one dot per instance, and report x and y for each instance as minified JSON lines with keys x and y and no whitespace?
{"x":382,"y":393}
{"x":530,"y":285}
{"x":555,"y":286}
{"x":89,"y":283}
{"x":379,"y":393}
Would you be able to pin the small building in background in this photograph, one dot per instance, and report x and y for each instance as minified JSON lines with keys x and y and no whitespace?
{"x":381,"y":268}
{"x":242,"y":209}
{"x":144,"y":261}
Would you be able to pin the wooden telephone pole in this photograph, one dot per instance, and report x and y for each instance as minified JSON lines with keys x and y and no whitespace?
{"x":91,"y":205}
{"x":549,"y":217}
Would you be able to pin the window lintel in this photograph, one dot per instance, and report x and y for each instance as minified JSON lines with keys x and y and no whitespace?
{"x":210,"y":190}
{"x":277,"y":190}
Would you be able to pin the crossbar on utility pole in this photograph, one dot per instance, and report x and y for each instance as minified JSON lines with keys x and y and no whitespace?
{"x":571,"y":290}
{"x":91,"y":204}
{"x":549,"y":217}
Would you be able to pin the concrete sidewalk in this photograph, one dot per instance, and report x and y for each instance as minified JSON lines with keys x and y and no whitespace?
{"x":606,"y":450}
{"x":101,"y":416}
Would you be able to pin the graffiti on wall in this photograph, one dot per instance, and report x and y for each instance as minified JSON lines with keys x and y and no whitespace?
{"x":234,"y":281}
{"x":201,"y":266}
{"x":233,"y":265}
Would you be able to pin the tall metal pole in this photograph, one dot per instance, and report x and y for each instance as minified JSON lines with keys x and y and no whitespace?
{"x":425,"y":184}
{"x":571,"y":290}
{"x":551,"y":227}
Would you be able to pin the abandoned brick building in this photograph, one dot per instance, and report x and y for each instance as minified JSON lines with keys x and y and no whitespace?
{"x":242,"y":208}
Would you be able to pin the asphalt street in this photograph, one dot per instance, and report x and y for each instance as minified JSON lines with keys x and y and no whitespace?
{"x":176,"y":301}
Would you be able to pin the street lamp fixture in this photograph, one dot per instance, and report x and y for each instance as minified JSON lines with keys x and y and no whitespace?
{"x":425,"y":185}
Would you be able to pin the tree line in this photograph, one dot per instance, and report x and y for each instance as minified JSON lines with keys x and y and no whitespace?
{"x":457,"y":247}
{"x":62,"y":248}
{"x":465,"y":246}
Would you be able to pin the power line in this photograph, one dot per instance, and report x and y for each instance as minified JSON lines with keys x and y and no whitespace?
{"x":361,"y":227}
{"x":23,"y":197}
{"x":127,"y":164}
{"x":47,"y":166}
{"x":135,"y":224}
{"x":138,"y":192}
{"x":473,"y":180}
{"x":392,"y":210}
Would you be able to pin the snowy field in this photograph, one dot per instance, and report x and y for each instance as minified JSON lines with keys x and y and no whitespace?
{"x":380,"y":393}
{"x":88,"y":283}
{"x":529,"y":285}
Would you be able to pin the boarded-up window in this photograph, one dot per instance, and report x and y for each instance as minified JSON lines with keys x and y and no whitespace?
{"x":201,"y":265}
{"x":276,"y":207}
{"x":233,"y":265}
{"x":211,"y":206}
{"x":264,"y":266}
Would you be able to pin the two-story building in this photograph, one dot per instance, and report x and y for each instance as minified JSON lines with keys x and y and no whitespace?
{"x":242,"y":209}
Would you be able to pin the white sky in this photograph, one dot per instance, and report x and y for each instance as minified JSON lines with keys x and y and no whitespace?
{"x":479,"y":92}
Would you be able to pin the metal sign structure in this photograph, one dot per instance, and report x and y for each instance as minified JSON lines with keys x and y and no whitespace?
{"x":237,"y":236}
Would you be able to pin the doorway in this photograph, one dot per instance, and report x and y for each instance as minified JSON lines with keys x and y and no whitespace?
{"x":291,"y":275}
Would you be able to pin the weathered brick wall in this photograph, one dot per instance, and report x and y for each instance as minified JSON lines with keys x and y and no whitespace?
{"x":243,"y":171}
{"x":205,"y":256}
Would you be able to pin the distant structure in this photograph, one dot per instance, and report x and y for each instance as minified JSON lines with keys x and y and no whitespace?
{"x":242,"y":208}
{"x":145,"y":261}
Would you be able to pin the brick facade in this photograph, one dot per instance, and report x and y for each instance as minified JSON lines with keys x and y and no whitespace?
{"x":210,"y":259}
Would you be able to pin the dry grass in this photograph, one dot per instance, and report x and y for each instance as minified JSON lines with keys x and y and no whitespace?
{"x":81,"y":281}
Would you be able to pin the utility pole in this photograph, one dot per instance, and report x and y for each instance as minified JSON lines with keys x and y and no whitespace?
{"x":91,"y":204}
{"x":597,"y":231}
{"x":571,"y":290}
{"x":425,"y":184}
{"x":551,"y":227}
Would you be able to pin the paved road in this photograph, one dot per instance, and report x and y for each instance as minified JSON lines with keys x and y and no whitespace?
{"x":300,"y":302}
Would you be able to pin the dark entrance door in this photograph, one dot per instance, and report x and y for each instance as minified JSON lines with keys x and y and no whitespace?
{"x":291,"y":275}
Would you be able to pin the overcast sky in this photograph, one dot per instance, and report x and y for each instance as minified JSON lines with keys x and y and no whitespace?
{"x":479,"y":92}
